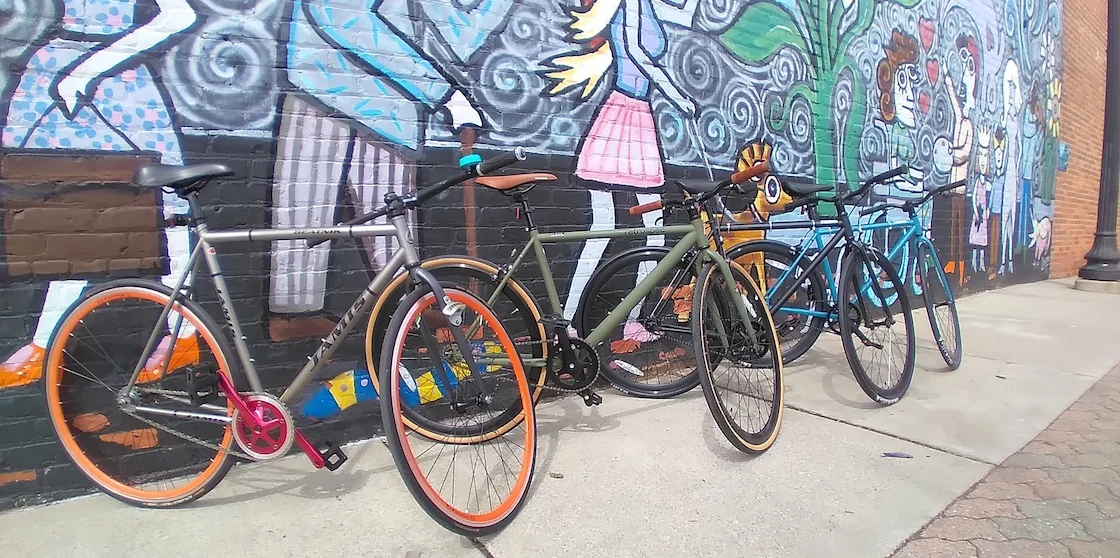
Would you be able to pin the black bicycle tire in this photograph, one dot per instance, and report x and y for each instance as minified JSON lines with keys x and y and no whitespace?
{"x":737,"y":436}
{"x":527,"y":307}
{"x":393,"y":442}
{"x":223,"y":345}
{"x":881,"y":396}
{"x":596,"y":283}
{"x":952,"y":358}
{"x":816,"y":282}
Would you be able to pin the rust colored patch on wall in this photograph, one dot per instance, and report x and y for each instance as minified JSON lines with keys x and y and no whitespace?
{"x":143,"y":438}
{"x":66,"y":214}
{"x":71,"y":169}
{"x":17,"y":476}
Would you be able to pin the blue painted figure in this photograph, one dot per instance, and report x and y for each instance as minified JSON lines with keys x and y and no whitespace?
{"x":357,"y":88}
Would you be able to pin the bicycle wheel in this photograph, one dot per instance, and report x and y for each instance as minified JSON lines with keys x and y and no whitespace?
{"x":857,"y":310}
{"x":739,"y":375}
{"x":416,"y":457}
{"x":941,"y":306}
{"x":515,"y":305}
{"x":89,"y":361}
{"x":767,"y":261}
{"x":651,"y":353}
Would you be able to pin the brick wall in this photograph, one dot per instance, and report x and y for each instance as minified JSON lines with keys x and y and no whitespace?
{"x":316,"y":131}
{"x":1083,"y":73}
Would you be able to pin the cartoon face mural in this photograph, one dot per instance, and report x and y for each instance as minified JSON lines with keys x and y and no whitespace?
{"x":898,"y":81}
{"x":346,"y":100}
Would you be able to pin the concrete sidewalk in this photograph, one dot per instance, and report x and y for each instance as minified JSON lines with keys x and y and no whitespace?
{"x":637,"y":477}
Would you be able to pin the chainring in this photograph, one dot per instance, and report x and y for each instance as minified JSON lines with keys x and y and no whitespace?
{"x":274,"y":437}
{"x":577,"y":378}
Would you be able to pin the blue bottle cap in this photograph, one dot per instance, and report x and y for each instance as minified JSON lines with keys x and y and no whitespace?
{"x":468,"y":160}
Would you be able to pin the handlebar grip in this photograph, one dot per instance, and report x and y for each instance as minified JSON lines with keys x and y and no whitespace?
{"x":951,"y":186}
{"x":889,"y":174}
{"x":877,"y":179}
{"x":874,"y":209}
{"x":645,"y":208}
{"x":501,"y":161}
{"x":747,"y":174}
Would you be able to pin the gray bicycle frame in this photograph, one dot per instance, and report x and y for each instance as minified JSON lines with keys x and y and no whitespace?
{"x":406,"y":255}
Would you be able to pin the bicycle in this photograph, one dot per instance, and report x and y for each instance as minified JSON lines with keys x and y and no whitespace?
{"x":741,"y":327}
{"x":197,"y":382}
{"x":865,"y":273}
{"x":941,"y":308}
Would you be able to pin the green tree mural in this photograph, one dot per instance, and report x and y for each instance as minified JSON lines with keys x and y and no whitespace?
{"x":821,"y":31}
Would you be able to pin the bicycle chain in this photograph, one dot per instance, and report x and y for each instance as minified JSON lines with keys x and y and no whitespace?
{"x":591,"y":382}
{"x":667,"y":336}
{"x":190,"y":438}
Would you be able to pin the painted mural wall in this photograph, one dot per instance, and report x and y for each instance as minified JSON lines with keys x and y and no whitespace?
{"x":322,"y":106}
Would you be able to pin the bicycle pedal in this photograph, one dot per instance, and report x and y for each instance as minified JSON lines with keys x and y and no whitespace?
{"x":202,"y":385}
{"x":332,"y":455}
{"x":590,"y":398}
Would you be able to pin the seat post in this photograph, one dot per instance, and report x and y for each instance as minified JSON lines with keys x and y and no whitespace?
{"x":530,"y":225}
{"x":196,"y":215}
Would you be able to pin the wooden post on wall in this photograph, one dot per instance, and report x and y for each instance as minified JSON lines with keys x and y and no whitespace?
{"x":1103,"y":259}
{"x":466,"y":140}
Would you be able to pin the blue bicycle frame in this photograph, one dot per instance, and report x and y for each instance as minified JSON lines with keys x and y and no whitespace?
{"x":821,"y":235}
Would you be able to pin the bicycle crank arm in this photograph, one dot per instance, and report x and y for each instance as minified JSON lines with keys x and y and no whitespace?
{"x":867,"y":342}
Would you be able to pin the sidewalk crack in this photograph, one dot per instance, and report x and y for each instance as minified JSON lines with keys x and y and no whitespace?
{"x":895,"y":436}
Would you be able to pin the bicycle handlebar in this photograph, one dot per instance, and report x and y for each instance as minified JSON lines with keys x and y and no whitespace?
{"x":480,"y":168}
{"x":744,"y":175}
{"x":646,"y":208}
{"x":950,"y":186}
{"x":877,"y":179}
{"x":736,"y":179}
{"x":907,"y":206}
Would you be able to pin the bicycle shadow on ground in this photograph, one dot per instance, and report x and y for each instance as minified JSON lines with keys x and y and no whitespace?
{"x":569,"y":414}
{"x":837,"y":380}
{"x":295,"y":476}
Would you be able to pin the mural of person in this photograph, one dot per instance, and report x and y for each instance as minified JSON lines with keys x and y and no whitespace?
{"x":621,"y":150}
{"x":981,"y":190}
{"x":1013,"y":107}
{"x":995,"y":202}
{"x":962,"y":97}
{"x":335,"y":135}
{"x":898,"y":79}
{"x":88,"y":88}
{"x":1031,"y":159}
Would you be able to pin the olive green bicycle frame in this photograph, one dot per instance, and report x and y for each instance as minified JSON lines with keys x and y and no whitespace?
{"x":694,"y":237}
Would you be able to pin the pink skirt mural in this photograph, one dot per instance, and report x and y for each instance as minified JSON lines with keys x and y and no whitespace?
{"x":621,"y":147}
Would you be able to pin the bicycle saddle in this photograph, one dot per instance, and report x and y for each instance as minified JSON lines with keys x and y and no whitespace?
{"x":511,"y":181}
{"x":181,"y":179}
{"x":802,"y":189}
